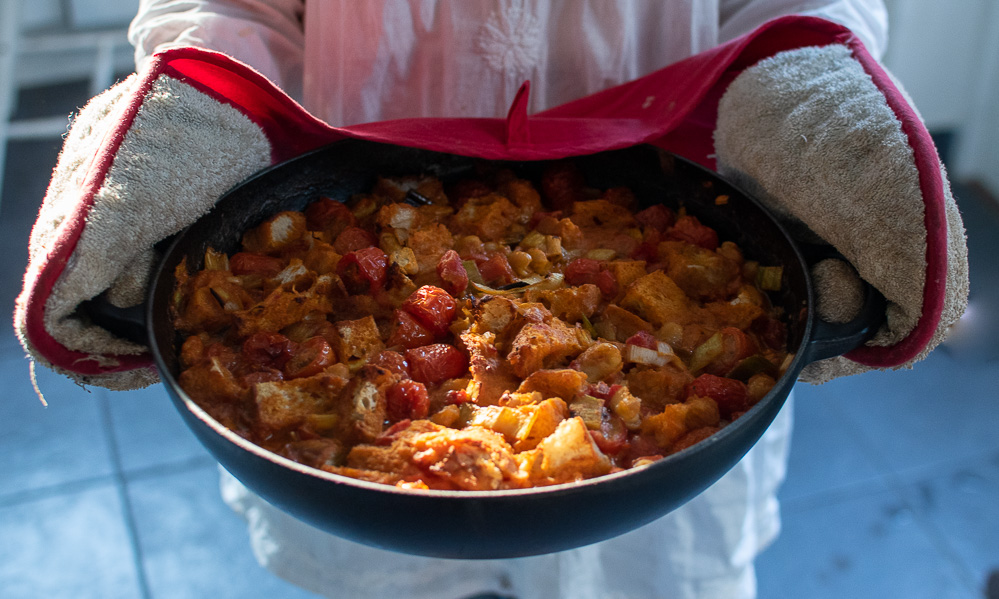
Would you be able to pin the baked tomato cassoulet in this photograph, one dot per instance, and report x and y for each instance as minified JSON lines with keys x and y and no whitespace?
{"x":494,"y":333}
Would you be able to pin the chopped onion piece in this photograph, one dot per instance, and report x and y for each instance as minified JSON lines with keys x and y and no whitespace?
{"x":474,"y":276}
{"x":644,"y":355}
{"x":552,"y":281}
{"x":769,"y":278}
{"x":216,"y":260}
{"x":601,"y":254}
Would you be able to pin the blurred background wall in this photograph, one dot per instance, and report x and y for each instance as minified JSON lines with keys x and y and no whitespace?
{"x":946,"y":54}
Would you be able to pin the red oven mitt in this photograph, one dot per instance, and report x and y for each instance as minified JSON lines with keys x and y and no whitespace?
{"x":152,"y":154}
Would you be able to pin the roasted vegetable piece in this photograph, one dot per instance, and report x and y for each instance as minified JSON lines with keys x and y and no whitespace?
{"x":363,"y":270}
{"x":434,"y":364}
{"x":433,"y":308}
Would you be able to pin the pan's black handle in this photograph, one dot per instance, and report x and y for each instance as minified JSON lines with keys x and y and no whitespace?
{"x":127,"y":323}
{"x":829,"y":339}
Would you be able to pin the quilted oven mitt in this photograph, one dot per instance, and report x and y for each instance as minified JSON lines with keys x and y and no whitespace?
{"x":839,"y":155}
{"x":141,"y":161}
{"x":805,"y":119}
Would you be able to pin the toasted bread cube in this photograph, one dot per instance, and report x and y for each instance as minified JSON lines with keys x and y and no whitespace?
{"x":429,"y":244}
{"x":626,"y":272}
{"x":658,"y":387}
{"x":276,"y":233}
{"x":396,"y":457}
{"x":365,"y":404}
{"x":398,"y":216}
{"x":501,"y":419}
{"x":359,"y":340}
{"x":282,"y":404}
{"x":601,"y":213}
{"x":544,"y":345}
{"x":494,"y":315}
{"x":571,"y":304}
{"x":701,"y":273}
{"x":321,"y":258}
{"x":618,"y":324}
{"x":657,"y":299}
{"x":570,"y":453}
{"x":564,"y":383}
{"x":544,"y":419}
{"x":405,"y":259}
{"x":738,"y":314}
{"x":599,"y":361}
{"x":473,"y":458}
{"x":488,"y":217}
{"x":678,"y":419}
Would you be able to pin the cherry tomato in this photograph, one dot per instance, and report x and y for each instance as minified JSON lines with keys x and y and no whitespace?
{"x":771,"y":331}
{"x":392,"y":433}
{"x":586,"y":270}
{"x":602,"y":390}
{"x":643,"y":446}
{"x":325,"y":213}
{"x":363,"y":271}
{"x":612,"y":436}
{"x":581,"y":271}
{"x":657,"y":217}
{"x":391,"y":361}
{"x":352,"y":239}
{"x":496,"y":270}
{"x":433,"y":364}
{"x":452,"y":273}
{"x":689,"y":229}
{"x":408,"y":332}
{"x":607,"y":283}
{"x":643,"y":339}
{"x":432,"y":307}
{"x":648,"y":250}
{"x":267,"y":349}
{"x":457,"y":397}
{"x":407,"y":399}
{"x":736,"y":346}
{"x":267,"y":375}
{"x":729,"y":394}
{"x":310,"y":357}
{"x":250,"y":263}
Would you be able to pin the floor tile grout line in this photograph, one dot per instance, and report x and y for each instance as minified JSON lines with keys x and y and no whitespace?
{"x":24,"y":496}
{"x":168,"y":468}
{"x":897,"y":487}
{"x":121,"y":485}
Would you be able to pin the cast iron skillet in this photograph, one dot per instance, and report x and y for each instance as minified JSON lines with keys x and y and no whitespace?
{"x":495,"y":524}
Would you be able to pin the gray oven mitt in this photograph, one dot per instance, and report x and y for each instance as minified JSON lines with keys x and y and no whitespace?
{"x":809,"y":133}
{"x":141,"y":161}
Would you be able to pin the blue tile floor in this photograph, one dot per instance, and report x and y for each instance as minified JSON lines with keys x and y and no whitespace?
{"x":892,"y":491}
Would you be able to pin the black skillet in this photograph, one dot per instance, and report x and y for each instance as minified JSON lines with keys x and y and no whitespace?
{"x":496,"y":524}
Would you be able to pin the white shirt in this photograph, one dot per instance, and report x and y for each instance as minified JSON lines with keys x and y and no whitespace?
{"x":353,"y":61}
{"x":357,"y":61}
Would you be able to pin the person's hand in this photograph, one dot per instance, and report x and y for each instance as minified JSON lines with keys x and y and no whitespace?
{"x":839,"y":154}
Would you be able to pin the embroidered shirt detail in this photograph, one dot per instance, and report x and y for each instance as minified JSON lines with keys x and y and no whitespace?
{"x":510,"y":40}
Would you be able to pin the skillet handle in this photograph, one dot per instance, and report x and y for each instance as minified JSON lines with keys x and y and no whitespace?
{"x":127,"y":323}
{"x":829,"y":340}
